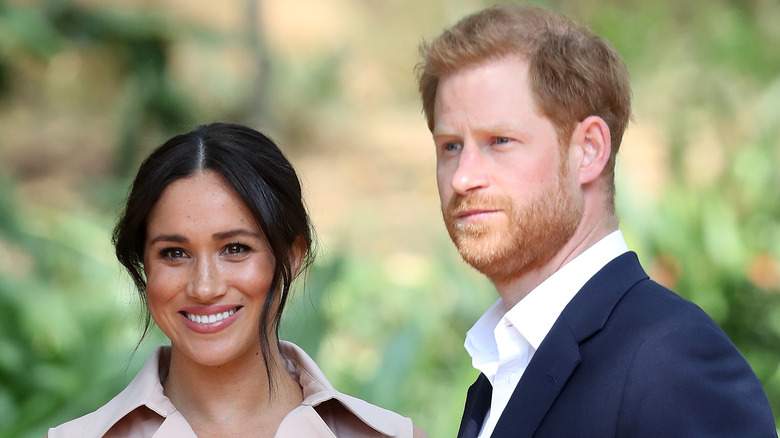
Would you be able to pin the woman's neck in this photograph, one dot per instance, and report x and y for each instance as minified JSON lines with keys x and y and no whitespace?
{"x":232,"y":399}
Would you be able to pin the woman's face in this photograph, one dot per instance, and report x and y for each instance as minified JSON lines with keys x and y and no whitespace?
{"x":208,"y":269}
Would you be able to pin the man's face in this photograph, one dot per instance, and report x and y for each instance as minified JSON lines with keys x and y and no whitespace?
{"x":507,"y":196}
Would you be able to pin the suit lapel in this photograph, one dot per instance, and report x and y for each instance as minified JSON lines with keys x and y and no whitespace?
{"x":543,"y":380}
{"x":477,"y":405}
{"x":559,"y":354}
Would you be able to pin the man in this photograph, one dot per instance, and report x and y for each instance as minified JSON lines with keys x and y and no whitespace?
{"x":527,"y":111}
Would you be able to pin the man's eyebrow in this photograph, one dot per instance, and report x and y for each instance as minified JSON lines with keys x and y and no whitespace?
{"x":514,"y":129}
{"x":442,"y":132}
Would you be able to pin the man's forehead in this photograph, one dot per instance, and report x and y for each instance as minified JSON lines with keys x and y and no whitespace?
{"x":491,"y":97}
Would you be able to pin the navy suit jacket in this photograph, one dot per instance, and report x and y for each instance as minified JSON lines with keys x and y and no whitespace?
{"x":629,"y":358}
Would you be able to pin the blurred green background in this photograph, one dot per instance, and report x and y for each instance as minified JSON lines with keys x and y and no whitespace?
{"x":89,"y":87}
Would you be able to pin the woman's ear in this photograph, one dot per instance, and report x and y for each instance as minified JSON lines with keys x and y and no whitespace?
{"x":297,"y":253}
{"x":593,"y":137}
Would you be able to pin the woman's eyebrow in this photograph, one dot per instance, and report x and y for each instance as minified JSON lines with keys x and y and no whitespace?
{"x":233,"y":233}
{"x":169,"y":238}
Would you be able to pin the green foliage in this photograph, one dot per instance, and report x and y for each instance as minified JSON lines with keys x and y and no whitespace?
{"x":60,"y":322}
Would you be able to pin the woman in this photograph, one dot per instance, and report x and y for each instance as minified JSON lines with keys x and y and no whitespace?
{"x":213,"y":234}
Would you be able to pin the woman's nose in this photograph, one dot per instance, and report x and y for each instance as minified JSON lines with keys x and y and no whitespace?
{"x":206,"y":281}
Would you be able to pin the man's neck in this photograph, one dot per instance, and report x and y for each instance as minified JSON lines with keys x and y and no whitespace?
{"x":515,"y":289}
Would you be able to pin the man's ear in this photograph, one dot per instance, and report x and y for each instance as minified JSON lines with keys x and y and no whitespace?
{"x":592,"y":136}
{"x":297,"y":252}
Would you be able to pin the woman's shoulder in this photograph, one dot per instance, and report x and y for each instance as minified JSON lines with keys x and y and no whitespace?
{"x":139,"y":406}
{"x":351,"y":416}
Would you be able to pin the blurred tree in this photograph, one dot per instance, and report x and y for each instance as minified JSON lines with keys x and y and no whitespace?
{"x":142,"y":42}
{"x":262,"y":79}
{"x":139,"y":43}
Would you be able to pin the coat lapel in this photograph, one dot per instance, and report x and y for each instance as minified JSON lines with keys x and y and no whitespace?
{"x":477,"y":405}
{"x":543,"y":380}
{"x":559,"y":354}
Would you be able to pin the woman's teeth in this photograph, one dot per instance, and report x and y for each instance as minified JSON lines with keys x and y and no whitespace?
{"x":205,"y":319}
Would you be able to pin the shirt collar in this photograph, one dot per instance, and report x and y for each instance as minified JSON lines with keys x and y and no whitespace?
{"x":535,"y":314}
{"x":481,"y":341}
{"x":317,"y":390}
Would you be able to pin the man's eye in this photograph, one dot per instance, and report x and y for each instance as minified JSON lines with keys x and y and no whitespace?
{"x":452,"y":146}
{"x":502,"y":140}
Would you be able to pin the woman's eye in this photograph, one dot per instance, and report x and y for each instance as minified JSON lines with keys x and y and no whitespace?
{"x":172,"y":253}
{"x":236,"y":249}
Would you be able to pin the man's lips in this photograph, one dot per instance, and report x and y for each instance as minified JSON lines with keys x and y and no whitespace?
{"x":477,"y":207}
{"x":474,"y":213}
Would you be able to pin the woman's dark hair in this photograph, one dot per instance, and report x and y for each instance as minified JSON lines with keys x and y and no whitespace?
{"x":257,"y":171}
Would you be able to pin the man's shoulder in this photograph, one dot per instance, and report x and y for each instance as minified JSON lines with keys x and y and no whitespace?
{"x":671,"y":366}
{"x":627,"y":308}
{"x":684,"y":368}
{"x":633,"y":292}
{"x":653,"y":304}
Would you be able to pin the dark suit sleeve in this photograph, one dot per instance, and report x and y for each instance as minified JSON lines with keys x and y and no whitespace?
{"x":689,"y":380}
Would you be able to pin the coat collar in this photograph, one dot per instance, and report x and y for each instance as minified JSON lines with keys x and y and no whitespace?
{"x":146,"y":390}
{"x":317,"y":390}
{"x":559,"y":354}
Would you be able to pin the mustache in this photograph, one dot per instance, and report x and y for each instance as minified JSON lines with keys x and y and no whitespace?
{"x":459,"y":203}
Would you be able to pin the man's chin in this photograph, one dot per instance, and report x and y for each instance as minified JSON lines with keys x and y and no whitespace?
{"x":501,"y":262}
{"x":481,"y":264}
{"x":478,"y":253}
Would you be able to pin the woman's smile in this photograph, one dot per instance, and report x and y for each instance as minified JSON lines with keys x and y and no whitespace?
{"x":209,"y":320}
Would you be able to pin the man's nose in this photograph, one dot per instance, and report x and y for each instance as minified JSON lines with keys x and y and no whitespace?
{"x":471,"y":174}
{"x":206,"y":281}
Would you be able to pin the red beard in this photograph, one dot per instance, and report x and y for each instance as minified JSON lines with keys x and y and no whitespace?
{"x":524,"y":239}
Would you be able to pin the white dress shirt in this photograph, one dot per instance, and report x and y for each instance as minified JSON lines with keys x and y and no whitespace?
{"x":501,"y":344}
